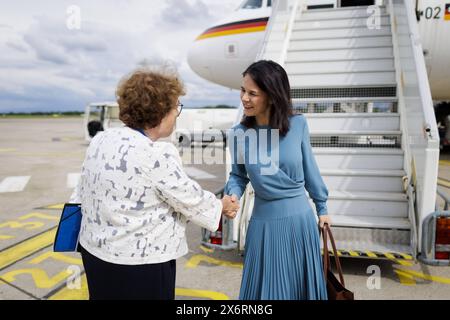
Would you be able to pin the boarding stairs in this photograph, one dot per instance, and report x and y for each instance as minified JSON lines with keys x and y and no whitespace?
{"x":344,"y":81}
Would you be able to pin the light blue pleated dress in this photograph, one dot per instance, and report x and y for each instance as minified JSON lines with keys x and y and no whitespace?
{"x":282,"y":248}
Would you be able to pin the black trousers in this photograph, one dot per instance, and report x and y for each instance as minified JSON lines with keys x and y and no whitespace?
{"x":109,"y":281}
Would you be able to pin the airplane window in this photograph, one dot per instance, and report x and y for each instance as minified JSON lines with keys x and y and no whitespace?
{"x":269,"y":3}
{"x":252,"y":4}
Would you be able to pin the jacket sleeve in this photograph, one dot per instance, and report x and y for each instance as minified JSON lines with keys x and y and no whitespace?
{"x":78,"y":191}
{"x":313,"y":180}
{"x":183,"y":194}
{"x":238,"y":180}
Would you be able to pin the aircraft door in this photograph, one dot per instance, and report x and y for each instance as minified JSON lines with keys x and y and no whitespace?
{"x":356,"y":3}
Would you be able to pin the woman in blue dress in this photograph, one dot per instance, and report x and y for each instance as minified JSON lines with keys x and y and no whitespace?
{"x":271,"y":149}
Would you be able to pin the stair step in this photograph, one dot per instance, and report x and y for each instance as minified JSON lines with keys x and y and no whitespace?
{"x":344,"y":43}
{"x":372,"y":240}
{"x":340,"y":33}
{"x":369,"y":196}
{"x":359,"y":158}
{"x":334,"y":91}
{"x":344,"y":100}
{"x":339,"y":54}
{"x":345,"y":79}
{"x":354,"y":123}
{"x":379,"y":204}
{"x":363,"y":180}
{"x":348,"y":8}
{"x":340,"y":66}
{"x":364,"y":173}
{"x":337,"y":13}
{"x":370,"y":222}
{"x":358,"y":116}
{"x":353,"y":132}
{"x":360,"y":151}
{"x":340,"y":23}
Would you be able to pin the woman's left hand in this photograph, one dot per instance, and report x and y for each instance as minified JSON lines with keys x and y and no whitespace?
{"x":324,"y":219}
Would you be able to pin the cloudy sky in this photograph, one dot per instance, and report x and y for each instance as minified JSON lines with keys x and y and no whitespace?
{"x":48,"y":64}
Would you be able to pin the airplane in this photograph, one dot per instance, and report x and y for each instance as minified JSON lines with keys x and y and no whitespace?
{"x":223,"y":51}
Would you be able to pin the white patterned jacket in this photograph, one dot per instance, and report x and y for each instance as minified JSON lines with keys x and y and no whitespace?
{"x":136,"y":200}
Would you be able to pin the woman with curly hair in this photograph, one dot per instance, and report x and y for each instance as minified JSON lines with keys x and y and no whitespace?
{"x":136,"y":198}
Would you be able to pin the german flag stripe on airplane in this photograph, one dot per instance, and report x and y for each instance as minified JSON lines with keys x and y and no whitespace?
{"x":244,"y":26}
{"x":447,"y":12}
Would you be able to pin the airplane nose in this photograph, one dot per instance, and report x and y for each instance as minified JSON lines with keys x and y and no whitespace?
{"x":198,"y":60}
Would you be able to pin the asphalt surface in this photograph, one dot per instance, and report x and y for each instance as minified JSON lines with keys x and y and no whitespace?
{"x":39,"y":163}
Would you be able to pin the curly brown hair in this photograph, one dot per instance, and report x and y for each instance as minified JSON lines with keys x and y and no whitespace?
{"x":146,"y":96}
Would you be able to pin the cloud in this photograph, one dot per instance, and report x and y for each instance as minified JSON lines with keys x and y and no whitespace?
{"x":17,"y":46}
{"x":45,"y":65}
{"x":181,"y":13}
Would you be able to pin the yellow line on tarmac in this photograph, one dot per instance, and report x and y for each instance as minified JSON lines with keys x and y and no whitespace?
{"x":405,"y":279}
{"x":73,"y":294}
{"x":206,"y":249}
{"x":26,"y":225}
{"x":7,"y":150}
{"x":5,"y":237}
{"x":58,"y":256}
{"x":83,"y":293}
{"x":444,"y":162}
{"x":26,"y":248}
{"x":40,"y":277}
{"x":196,"y":293}
{"x":405,"y":263}
{"x":443,"y":183}
{"x":195,"y":261}
{"x":412,"y":273}
{"x":58,"y":206}
{"x":39,"y":216}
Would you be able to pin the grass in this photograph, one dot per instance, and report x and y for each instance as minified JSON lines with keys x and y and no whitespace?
{"x":40,"y":115}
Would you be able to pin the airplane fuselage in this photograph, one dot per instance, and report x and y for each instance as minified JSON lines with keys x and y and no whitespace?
{"x":222,"y":52}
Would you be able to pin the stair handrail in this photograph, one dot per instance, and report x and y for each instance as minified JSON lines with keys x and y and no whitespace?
{"x":420,"y":135}
{"x":430,"y":125}
{"x":289,"y":27}
{"x":268,"y":30}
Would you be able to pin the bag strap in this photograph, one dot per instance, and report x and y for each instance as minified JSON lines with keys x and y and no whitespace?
{"x":326,"y":260}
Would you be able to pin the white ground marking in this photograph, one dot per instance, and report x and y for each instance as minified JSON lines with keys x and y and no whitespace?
{"x":14,"y":184}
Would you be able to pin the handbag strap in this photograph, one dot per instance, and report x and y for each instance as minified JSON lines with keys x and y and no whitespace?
{"x":326,"y":260}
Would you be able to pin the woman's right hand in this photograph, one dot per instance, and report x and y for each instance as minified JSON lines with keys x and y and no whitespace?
{"x":230,"y":206}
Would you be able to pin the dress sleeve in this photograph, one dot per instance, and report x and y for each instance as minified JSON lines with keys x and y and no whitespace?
{"x":238,"y":180}
{"x":313,"y":180}
{"x":183,"y":194}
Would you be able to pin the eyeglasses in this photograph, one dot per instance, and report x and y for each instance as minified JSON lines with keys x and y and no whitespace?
{"x":179,"y":108}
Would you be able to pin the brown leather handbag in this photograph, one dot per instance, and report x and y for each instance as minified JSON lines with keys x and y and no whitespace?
{"x":335,"y":289}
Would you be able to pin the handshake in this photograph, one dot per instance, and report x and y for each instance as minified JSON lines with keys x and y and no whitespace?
{"x":230,"y":206}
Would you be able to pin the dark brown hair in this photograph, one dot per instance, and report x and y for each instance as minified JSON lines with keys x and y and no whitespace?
{"x":271,"y":78}
{"x":146,"y":96}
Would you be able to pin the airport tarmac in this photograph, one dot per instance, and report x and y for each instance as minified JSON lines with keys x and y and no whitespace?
{"x":40,"y":161}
